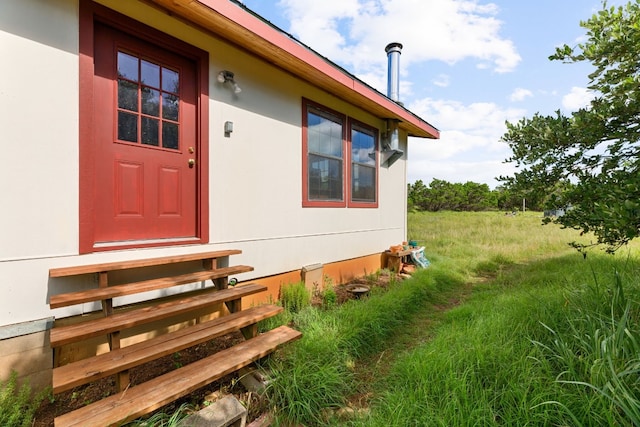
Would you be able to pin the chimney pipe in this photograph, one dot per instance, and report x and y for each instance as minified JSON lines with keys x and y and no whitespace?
{"x":391,"y":151}
{"x":393,"y":77}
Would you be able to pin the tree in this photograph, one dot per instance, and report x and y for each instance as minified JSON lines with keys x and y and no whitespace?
{"x":596,"y":148}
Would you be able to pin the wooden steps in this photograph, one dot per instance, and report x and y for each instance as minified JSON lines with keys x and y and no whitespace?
{"x":131,"y":402}
{"x":139,"y":263}
{"x":151,"y":395}
{"x":128,"y":319}
{"x":84,"y":371}
{"x":72,"y":298}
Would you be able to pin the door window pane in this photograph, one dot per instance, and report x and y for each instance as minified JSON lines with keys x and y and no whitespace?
{"x":170,"y":135}
{"x":150,"y":74}
{"x":150,"y":131}
{"x":170,"y":81}
{"x":127,"y":95}
{"x":170,"y":105}
{"x":150,"y":102}
{"x":127,"y":127}
{"x":127,"y":66}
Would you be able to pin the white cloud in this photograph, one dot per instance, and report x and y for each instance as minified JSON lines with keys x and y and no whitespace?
{"x":469,"y":141}
{"x":355,"y":32}
{"x":520,"y":94}
{"x":441,"y":80}
{"x":579,"y":97}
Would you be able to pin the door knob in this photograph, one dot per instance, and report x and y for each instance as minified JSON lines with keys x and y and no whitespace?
{"x":192,"y":163}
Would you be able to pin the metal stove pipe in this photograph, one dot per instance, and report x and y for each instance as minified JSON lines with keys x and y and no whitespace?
{"x":393,"y":76}
{"x":392,"y":151}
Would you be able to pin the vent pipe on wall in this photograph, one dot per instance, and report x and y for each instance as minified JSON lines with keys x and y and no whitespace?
{"x":391,"y":151}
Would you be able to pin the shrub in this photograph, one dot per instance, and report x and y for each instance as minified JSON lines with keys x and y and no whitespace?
{"x":294,"y":297}
{"x":329,"y":298}
{"x":17,"y":405}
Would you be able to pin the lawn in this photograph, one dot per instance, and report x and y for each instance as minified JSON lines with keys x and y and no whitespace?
{"x":508,"y":326}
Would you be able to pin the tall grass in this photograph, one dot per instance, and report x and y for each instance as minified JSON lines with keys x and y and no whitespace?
{"x":509,"y":354}
{"x":17,"y":402}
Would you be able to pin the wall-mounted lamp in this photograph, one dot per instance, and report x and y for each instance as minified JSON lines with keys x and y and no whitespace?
{"x":228,"y":128}
{"x":225,"y":76}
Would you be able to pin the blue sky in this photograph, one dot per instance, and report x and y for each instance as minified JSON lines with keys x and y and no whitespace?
{"x":467,"y":66}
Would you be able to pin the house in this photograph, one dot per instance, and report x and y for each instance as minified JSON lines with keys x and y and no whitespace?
{"x":152,"y":128}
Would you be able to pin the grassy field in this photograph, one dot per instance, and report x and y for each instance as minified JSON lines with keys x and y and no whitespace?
{"x":508,"y":326}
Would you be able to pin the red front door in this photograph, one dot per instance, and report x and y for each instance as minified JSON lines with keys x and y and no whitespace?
{"x":145,"y":136}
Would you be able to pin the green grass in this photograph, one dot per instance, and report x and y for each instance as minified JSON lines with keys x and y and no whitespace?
{"x":17,"y":402}
{"x":537,"y":335}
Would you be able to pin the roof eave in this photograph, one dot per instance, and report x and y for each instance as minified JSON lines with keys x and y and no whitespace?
{"x":234,"y":23}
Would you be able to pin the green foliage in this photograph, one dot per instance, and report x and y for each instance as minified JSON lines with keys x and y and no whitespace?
{"x":316,"y":373}
{"x":595,"y":148}
{"x":294,"y":297}
{"x":329,"y":298}
{"x":442,"y":195}
{"x":18,"y":405}
{"x":598,"y":347}
{"x":161,"y":419}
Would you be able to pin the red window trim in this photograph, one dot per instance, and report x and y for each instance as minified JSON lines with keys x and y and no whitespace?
{"x":347,"y":125}
{"x":89,"y":12}
{"x":351,"y":123}
{"x":306,"y":104}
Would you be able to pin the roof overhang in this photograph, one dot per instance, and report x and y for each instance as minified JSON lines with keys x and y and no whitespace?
{"x":233,"y":22}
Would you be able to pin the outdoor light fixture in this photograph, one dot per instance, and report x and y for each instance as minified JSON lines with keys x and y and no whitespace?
{"x":225,"y":76}
{"x":228,"y":128}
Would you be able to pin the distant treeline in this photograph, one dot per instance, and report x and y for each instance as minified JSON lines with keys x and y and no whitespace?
{"x":441,"y":195}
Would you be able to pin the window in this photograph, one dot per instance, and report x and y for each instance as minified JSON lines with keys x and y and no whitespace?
{"x":363,"y":166}
{"x":340,"y":168}
{"x":324,"y":157}
{"x":148,"y":102}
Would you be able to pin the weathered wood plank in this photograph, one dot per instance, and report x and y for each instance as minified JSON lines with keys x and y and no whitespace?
{"x":138,"y":263}
{"x":151,"y":395}
{"x":85,"y":371}
{"x":72,"y":298}
{"x":119,"y":321}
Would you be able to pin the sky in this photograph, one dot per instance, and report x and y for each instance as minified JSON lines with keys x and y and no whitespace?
{"x":467,"y":67}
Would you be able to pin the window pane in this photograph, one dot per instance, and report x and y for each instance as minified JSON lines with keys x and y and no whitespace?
{"x":150,"y":73}
{"x":324,"y":136}
{"x":170,"y":105}
{"x":363,"y":149}
{"x":150,"y":102}
{"x":325,"y":178}
{"x":150,"y":131}
{"x":127,"y":66}
{"x":170,"y":81}
{"x":127,"y":127}
{"x":127,"y":95}
{"x":363,"y":183}
{"x":170,"y":135}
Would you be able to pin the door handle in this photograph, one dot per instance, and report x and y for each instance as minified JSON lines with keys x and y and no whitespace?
{"x":192,"y":163}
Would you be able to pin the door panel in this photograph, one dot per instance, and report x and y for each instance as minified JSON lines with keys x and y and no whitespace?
{"x":146,"y":167}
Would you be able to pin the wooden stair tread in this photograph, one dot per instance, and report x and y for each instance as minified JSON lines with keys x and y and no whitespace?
{"x":72,"y":298}
{"x":153,"y":394}
{"x":138,"y":263}
{"x":92,"y":369}
{"x":71,"y":333}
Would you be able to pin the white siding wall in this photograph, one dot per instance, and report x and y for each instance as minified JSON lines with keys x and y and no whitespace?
{"x":255,"y":174}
